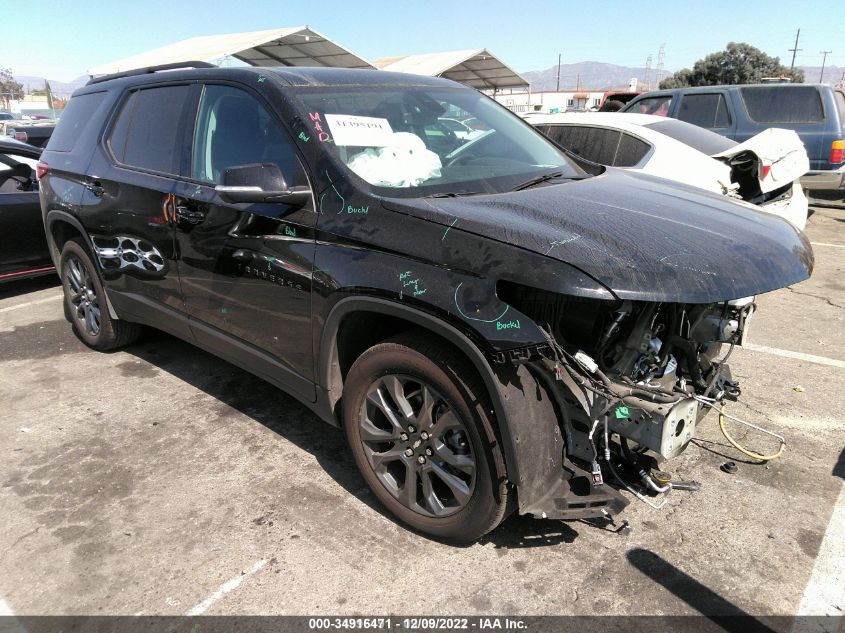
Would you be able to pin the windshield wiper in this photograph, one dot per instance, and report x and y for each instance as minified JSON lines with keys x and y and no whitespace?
{"x":453,"y":194}
{"x":545,"y":178}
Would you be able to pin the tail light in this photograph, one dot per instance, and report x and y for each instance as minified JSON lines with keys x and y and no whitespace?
{"x":41,"y":169}
{"x":837,"y":152}
{"x":766,"y":170}
{"x":18,"y":135}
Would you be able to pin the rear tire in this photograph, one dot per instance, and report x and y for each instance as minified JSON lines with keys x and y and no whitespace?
{"x":420,"y":427}
{"x":85,"y":301}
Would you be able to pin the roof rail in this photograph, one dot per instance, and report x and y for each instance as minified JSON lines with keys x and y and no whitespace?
{"x":150,"y":69}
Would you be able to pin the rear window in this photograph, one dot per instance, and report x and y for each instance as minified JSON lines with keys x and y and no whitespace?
{"x":76,"y":116}
{"x":783,"y":104}
{"x":705,"y":110}
{"x":698,"y":138}
{"x":147,"y":131}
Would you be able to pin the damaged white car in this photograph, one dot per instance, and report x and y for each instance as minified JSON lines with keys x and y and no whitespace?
{"x":764,"y":170}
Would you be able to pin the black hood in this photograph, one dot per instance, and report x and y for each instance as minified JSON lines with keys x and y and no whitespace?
{"x":644,"y":238}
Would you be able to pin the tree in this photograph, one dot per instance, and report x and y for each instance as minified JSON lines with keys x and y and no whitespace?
{"x":739,"y":63}
{"x":9,"y":88}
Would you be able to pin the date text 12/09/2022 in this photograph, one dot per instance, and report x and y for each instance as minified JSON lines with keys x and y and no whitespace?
{"x":417,"y":623}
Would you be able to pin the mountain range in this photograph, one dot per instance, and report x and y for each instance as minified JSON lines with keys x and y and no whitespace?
{"x":585,"y":75}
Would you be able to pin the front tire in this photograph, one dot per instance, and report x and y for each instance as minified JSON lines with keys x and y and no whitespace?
{"x":419,"y":425}
{"x":85,"y":301}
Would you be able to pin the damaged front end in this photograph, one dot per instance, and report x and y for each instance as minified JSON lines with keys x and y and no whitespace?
{"x":629,"y":381}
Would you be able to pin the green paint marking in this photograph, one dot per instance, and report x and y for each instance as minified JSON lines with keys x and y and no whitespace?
{"x":622,"y":412}
{"x":303,"y":137}
{"x":261,"y":79}
{"x":447,"y":230}
{"x":508,"y":325}
{"x":361,"y":210}
{"x":270,"y":261}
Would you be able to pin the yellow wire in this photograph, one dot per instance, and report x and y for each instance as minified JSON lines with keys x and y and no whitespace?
{"x":742,"y":449}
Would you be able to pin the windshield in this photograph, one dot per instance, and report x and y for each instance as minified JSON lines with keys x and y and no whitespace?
{"x":406,"y":141}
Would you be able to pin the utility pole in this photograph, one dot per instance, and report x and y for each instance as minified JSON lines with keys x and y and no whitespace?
{"x":824,"y":59}
{"x":558,"y":72}
{"x":578,"y":82}
{"x":794,"y":50}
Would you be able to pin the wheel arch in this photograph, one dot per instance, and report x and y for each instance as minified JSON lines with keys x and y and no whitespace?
{"x":62,"y":226}
{"x":334,"y":358}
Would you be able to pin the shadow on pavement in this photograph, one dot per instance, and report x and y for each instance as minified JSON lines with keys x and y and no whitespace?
{"x":263,"y":403}
{"x":839,"y":466}
{"x":717,"y":609}
{"x":25,"y":286}
{"x":524,"y":531}
{"x":259,"y":400}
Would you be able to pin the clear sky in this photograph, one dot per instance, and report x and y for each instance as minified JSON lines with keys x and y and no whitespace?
{"x":61,"y":39}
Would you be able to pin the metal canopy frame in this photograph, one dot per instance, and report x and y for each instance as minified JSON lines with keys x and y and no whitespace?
{"x":297,"y":46}
{"x":478,"y":68}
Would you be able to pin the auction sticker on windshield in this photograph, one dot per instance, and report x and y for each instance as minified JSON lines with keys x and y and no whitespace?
{"x":360,"y":131}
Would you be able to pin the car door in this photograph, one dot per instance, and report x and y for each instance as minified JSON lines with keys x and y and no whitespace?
{"x":245,"y":269}
{"x":125,"y":207}
{"x":23,"y":245}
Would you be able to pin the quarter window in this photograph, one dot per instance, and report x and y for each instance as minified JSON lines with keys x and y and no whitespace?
{"x":705,"y":110}
{"x":783,"y":104}
{"x":233,"y":129}
{"x":75,"y":118}
{"x":148,"y":130}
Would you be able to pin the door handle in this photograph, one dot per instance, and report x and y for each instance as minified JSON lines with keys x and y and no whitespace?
{"x":96,"y":188}
{"x":189,"y":216}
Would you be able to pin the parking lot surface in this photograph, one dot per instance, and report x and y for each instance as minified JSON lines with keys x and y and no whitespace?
{"x":161,"y":480}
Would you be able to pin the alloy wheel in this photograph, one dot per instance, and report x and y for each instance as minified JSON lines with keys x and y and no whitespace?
{"x":82,"y":295}
{"x":417,"y":446}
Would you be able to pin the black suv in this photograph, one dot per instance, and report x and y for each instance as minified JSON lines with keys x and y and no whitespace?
{"x":494,"y":326}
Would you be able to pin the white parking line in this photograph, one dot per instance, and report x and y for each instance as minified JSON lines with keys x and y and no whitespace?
{"x":827,"y":244}
{"x":226,"y":587}
{"x":30,"y":303}
{"x":810,"y":358}
{"x":825,"y":593}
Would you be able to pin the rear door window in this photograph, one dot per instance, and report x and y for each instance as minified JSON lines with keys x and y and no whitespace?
{"x":234,"y":128}
{"x":75,"y":118}
{"x":149,"y":129}
{"x":783,"y":104}
{"x":599,"y":145}
{"x":705,"y":110}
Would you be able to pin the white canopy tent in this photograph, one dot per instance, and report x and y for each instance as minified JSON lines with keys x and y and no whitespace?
{"x":297,"y":46}
{"x":478,"y":68}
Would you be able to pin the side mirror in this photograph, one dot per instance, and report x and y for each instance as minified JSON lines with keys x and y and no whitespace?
{"x":260,"y":182}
